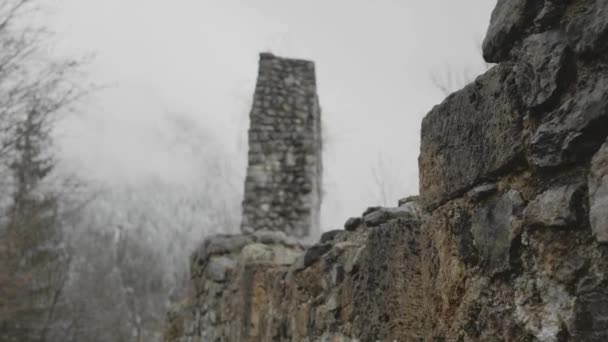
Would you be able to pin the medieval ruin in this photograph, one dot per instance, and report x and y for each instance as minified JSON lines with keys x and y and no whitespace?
{"x":283,"y":184}
{"x":506,"y":242}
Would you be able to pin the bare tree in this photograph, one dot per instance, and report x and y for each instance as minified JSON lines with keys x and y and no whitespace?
{"x":389,"y":181}
{"x":131,"y":244}
{"x":449,"y":79}
{"x":34,"y":90}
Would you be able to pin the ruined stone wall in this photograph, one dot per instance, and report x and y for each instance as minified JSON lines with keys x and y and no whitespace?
{"x":508,"y":240}
{"x":283,"y":184}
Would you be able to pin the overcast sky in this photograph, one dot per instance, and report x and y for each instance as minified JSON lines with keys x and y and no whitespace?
{"x":197,"y":59}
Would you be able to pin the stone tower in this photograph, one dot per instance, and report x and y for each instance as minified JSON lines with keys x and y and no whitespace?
{"x":283,"y":183}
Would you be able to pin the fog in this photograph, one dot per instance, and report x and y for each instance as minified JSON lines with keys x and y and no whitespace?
{"x":197,"y":59}
{"x":124,"y":126}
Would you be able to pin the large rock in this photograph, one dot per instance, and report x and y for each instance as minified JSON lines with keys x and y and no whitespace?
{"x":588,"y":31}
{"x":543,"y":307}
{"x":257,"y":253}
{"x":408,"y":199}
{"x":387,"y":296}
{"x":509,"y":19}
{"x":472,"y":135}
{"x":382,"y":215}
{"x":493,"y":228}
{"x":556,"y":207}
{"x":591,"y":309}
{"x":352,"y":223}
{"x":216,"y":245}
{"x":541,"y":69}
{"x":275,"y":237}
{"x":573,"y":131}
{"x":315,"y":252}
{"x":218,"y":268}
{"x":598,"y":194}
{"x":331,"y":236}
{"x":550,"y":14}
{"x":482,"y":191}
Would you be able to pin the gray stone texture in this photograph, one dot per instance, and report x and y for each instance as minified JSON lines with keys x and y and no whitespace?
{"x":574,"y":130}
{"x":352,"y":223}
{"x":541,"y":70}
{"x":493,"y":228}
{"x":219,"y":267}
{"x":550,"y":14}
{"x":383,"y":215}
{"x":598,"y":194}
{"x":509,"y":19}
{"x":588,"y":30}
{"x":283,"y":183}
{"x":555,"y":207}
{"x":482,"y":191}
{"x":472,"y":135}
{"x":407,"y":200}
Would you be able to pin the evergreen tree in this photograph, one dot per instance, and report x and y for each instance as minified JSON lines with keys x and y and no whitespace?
{"x":34,"y":261}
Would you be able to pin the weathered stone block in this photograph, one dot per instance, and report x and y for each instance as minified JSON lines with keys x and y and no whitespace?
{"x":383,"y":215}
{"x":388,"y":295}
{"x":556,"y":207}
{"x":408,"y":199}
{"x":283,"y":183}
{"x":314,"y":253}
{"x":274,"y":237}
{"x":588,"y":31}
{"x":482,"y":191}
{"x":370,"y":210}
{"x":591,"y":316}
{"x":459,"y":221}
{"x":550,"y":14}
{"x":493,"y":229}
{"x":507,"y":24}
{"x":218,"y":268}
{"x":598,"y":194}
{"x":543,"y":307}
{"x":217,"y":245}
{"x":331,"y":235}
{"x":472,"y":135}
{"x":573,"y":131}
{"x":257,"y":253}
{"x":352,"y":223}
{"x":542,"y":68}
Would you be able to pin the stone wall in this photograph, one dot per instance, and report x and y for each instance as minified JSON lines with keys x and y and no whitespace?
{"x":508,"y":240}
{"x":283,"y":184}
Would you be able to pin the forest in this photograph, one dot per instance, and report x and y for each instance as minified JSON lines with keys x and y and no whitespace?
{"x":82,"y":260}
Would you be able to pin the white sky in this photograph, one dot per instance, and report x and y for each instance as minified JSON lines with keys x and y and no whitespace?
{"x":198,"y":59}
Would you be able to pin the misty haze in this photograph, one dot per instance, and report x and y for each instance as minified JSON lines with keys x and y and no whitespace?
{"x":256,"y":170}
